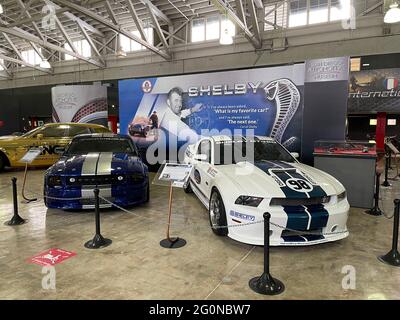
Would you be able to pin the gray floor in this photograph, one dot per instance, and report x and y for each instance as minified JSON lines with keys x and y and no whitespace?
{"x":208,"y":267}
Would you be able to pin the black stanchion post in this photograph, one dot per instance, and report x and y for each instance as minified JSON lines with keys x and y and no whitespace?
{"x":266,"y":284}
{"x":16,"y":220}
{"x":393,"y":256}
{"x":390,"y":160}
{"x":376,"y":211}
{"x":386,"y":182}
{"x":98,"y":241}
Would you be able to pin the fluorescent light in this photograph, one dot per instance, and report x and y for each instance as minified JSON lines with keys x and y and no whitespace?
{"x":372,"y":122}
{"x":45,"y":64}
{"x":121,"y":52}
{"x":226,"y":38}
{"x":366,"y":64}
{"x":1,"y":9}
{"x":393,"y":14}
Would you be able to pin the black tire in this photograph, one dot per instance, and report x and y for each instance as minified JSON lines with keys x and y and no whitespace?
{"x":217,"y":214}
{"x":2,"y":163}
{"x":188,"y":188}
{"x":148,"y":193}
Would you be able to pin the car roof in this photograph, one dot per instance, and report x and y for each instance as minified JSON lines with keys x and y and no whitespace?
{"x":225,"y":138}
{"x":100,"y":135}
{"x":74,"y":124}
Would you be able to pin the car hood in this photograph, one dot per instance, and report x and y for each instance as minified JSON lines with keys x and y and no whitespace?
{"x":270,"y":179}
{"x":7,"y":140}
{"x":104,"y":163}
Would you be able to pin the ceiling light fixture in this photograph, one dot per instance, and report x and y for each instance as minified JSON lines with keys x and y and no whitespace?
{"x":45,"y":64}
{"x":121,"y":52}
{"x":393,"y":14}
{"x":226,"y":38}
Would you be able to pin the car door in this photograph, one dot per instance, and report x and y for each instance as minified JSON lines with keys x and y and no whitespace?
{"x":202,"y":165}
{"x":49,"y":139}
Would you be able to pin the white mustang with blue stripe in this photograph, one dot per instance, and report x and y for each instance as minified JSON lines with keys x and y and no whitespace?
{"x":238,"y":179}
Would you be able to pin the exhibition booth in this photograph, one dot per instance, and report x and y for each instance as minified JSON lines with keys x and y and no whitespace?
{"x":276,"y":156}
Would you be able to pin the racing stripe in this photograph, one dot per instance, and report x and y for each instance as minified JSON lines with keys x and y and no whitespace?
{"x":104,"y":164}
{"x":319,"y":216}
{"x":90,"y":164}
{"x":298,"y":219}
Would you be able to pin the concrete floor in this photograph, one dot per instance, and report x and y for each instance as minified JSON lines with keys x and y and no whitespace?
{"x":208,"y":267}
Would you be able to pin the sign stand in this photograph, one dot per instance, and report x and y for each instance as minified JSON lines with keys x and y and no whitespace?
{"x":174,"y":175}
{"x":23,"y":186}
{"x":28,"y":158}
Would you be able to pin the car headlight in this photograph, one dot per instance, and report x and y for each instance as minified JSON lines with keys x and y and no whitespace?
{"x":341,"y":196}
{"x":54,"y":181}
{"x":249,"y":201}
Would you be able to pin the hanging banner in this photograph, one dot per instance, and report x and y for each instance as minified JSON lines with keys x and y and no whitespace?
{"x":83,"y":104}
{"x":374,"y":91}
{"x":174,"y":111}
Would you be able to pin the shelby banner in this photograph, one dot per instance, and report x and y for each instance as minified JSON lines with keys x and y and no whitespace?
{"x":170,"y":112}
{"x":374,"y":91}
{"x":84,"y":104}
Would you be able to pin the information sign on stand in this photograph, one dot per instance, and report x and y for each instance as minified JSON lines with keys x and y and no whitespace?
{"x":172,"y":175}
{"x":28,"y":158}
{"x":31,"y":155}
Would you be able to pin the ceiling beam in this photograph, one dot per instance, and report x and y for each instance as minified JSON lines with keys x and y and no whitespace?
{"x":157,"y":27}
{"x":22,"y":62}
{"x":111,"y":13}
{"x":254,"y":21}
{"x":136,"y":19}
{"x":157,"y":11}
{"x":65,"y":34}
{"x":91,"y":43}
{"x":114,"y":27}
{"x":36,"y":40}
{"x":74,"y":18}
{"x":240,"y":11}
{"x":259,"y":4}
{"x":5,"y":69}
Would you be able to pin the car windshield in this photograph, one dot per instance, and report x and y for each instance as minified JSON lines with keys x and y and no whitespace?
{"x":33,"y":131}
{"x":87,"y":145}
{"x":228,"y":152}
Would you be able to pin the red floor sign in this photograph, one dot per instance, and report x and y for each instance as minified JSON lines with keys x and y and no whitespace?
{"x":51,"y":257}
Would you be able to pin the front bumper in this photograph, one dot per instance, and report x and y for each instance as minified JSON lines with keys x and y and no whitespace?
{"x":68,"y":198}
{"x":251,"y":229}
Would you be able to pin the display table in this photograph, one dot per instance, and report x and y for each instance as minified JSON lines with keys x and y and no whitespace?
{"x":353,"y":164}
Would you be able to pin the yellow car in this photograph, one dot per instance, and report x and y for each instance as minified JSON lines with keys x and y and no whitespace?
{"x":49,"y":137}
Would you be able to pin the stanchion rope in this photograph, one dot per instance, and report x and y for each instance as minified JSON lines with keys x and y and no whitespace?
{"x":300,"y":232}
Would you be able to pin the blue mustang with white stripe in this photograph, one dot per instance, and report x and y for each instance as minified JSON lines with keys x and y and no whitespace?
{"x":108,"y":162}
{"x":238,"y":179}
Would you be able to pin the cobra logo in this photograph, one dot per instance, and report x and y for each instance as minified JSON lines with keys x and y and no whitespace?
{"x":299,"y":185}
{"x":197,"y":176}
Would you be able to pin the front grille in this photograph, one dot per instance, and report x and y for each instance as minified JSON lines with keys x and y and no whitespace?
{"x":93,"y":180}
{"x":299,"y":202}
{"x":91,"y":201}
{"x":290,"y":233}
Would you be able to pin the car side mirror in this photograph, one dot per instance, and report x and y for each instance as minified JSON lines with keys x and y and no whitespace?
{"x":295,"y":155}
{"x":39,"y":136}
{"x":59,"y":150}
{"x":200,"y":157}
